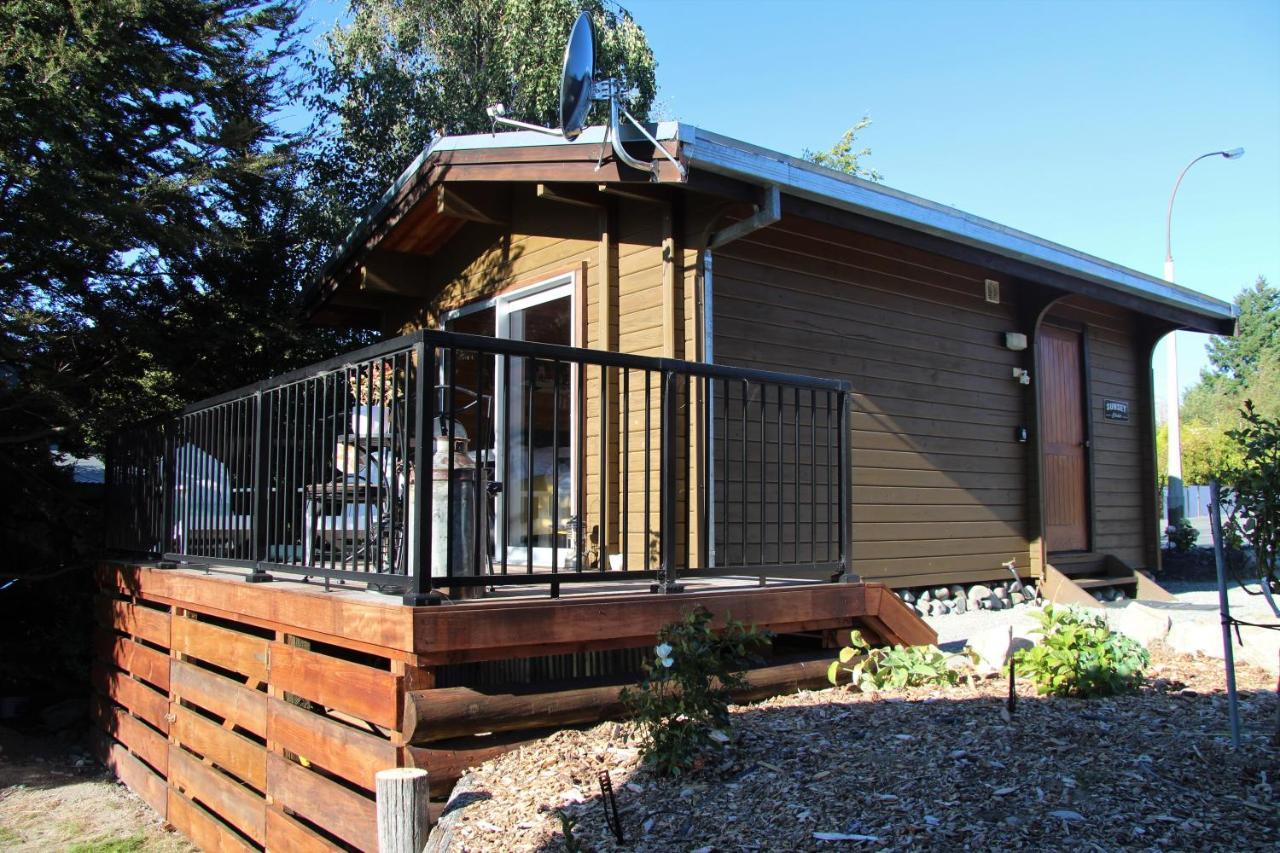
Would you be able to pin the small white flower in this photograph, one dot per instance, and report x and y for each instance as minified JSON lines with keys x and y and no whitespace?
{"x":664,"y":650}
{"x":666,"y":662}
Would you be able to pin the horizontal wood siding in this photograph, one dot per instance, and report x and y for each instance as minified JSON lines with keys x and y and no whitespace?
{"x":939,"y":481}
{"x":1120,"y":498}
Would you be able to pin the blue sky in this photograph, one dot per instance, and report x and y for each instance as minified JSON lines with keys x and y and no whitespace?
{"x":1067,"y":120}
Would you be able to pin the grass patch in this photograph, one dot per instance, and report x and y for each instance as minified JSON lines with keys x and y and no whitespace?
{"x":9,"y":836}
{"x":113,"y":845}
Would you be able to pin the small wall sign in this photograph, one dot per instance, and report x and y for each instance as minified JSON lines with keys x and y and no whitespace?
{"x":1116,"y":410}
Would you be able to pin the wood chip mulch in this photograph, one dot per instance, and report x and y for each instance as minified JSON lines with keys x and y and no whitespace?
{"x":917,"y":769}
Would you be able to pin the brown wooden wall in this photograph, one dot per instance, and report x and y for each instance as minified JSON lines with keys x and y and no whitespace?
{"x":942,"y":489}
{"x":939,"y":485}
{"x":1117,"y":369}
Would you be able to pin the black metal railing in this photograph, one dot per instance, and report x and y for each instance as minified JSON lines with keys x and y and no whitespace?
{"x":441,"y":461}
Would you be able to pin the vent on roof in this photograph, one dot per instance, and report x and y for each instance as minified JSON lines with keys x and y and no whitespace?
{"x":993,"y":291}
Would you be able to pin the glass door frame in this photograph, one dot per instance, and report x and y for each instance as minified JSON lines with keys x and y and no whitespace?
{"x":504,"y":304}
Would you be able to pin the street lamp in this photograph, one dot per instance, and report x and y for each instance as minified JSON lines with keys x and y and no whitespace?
{"x":1176,"y":503}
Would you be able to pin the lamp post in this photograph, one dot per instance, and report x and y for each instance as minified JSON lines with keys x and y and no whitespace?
{"x":1176,"y":503}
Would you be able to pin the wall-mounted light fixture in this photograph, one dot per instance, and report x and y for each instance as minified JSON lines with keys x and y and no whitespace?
{"x":1015,"y":341}
{"x":1022,"y":375}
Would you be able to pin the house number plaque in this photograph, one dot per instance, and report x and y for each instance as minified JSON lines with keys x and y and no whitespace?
{"x":1116,"y":410}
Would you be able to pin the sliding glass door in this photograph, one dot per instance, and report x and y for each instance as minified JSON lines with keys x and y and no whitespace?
{"x":534,"y":450}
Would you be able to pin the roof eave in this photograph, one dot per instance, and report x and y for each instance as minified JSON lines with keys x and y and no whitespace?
{"x":735,"y":159}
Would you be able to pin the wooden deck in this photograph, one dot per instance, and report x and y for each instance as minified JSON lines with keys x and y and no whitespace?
{"x":254,"y":716}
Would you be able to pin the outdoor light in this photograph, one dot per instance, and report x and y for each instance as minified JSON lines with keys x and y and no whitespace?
{"x":1172,"y":391}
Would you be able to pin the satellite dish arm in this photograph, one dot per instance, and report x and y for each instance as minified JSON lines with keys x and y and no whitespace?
{"x":621,"y":152}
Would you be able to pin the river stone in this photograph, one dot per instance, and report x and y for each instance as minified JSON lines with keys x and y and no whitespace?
{"x":957,"y":591}
{"x":925,"y":595}
{"x":978,"y":592}
{"x":1001,"y":593}
{"x":959,"y":605}
{"x":942,"y":593}
{"x":1017,"y":597}
{"x":1030,"y":592}
{"x":907,"y":595}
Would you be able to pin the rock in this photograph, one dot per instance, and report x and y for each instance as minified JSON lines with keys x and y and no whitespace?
{"x":978,"y":591}
{"x":925,"y":595}
{"x":1066,"y":814}
{"x":1141,"y":623}
{"x":1030,"y":592}
{"x":994,"y":645}
{"x":1017,"y":597}
{"x":959,"y":605}
{"x":942,"y":593}
{"x":1001,"y":593}
{"x":920,"y":611}
{"x":957,"y":591}
{"x":1119,"y":596}
{"x":907,"y":595}
{"x":994,"y":602}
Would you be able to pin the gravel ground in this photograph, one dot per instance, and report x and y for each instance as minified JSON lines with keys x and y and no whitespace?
{"x":920,"y":769}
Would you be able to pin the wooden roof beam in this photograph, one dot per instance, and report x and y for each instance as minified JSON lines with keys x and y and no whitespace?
{"x":453,"y":201}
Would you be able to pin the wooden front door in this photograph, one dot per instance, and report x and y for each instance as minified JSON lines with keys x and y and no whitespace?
{"x":1063,"y":440}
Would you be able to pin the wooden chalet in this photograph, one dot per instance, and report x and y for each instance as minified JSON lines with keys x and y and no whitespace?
{"x":604,"y":396}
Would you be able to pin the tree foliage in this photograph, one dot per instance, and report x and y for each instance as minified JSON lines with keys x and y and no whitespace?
{"x":1243,"y":367}
{"x":845,"y":155}
{"x":403,"y":72}
{"x":150,"y":244}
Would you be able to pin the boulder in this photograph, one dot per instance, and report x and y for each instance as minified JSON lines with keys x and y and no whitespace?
{"x":994,"y":645}
{"x":1141,"y":623}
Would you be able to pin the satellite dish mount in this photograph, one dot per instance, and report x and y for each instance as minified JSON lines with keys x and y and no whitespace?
{"x":578,"y":89}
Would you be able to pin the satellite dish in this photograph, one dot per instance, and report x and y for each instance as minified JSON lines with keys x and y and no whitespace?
{"x":578,"y":89}
{"x":577,"y":79}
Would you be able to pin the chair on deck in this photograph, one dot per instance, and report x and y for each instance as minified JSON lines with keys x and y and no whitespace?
{"x":204,"y":518}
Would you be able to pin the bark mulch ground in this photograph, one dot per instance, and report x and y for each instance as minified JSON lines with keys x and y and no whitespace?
{"x":917,"y":769}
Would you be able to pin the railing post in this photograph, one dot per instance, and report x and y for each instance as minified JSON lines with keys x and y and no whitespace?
{"x":846,"y":496}
{"x":260,"y":489}
{"x":420,"y":588}
{"x":169,"y":490}
{"x":667,"y":475}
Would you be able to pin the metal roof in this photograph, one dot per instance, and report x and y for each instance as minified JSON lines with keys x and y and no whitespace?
{"x":723,"y":155}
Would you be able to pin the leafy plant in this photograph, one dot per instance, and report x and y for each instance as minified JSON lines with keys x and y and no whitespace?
{"x":378,"y":384}
{"x":870,"y":668}
{"x":1182,"y":535}
{"x":1254,"y":490}
{"x":567,"y":823}
{"x":682,"y":704}
{"x":1081,"y":656}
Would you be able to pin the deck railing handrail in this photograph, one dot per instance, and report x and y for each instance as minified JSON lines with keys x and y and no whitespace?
{"x":304,"y":473}
{"x":500,"y":346}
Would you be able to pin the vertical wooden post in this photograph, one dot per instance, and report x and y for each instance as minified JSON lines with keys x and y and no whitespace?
{"x":403,"y":819}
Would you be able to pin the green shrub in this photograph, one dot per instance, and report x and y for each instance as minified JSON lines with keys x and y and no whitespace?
{"x":1182,"y":535}
{"x":1253,"y":491}
{"x":901,"y":666}
{"x":682,"y":704}
{"x":1081,"y":656}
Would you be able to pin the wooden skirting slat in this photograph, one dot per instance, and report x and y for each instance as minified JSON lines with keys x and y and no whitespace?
{"x":339,"y":810}
{"x":209,"y":834}
{"x":142,"y":700}
{"x":135,"y":658}
{"x":220,"y":695}
{"x":142,"y":740}
{"x":354,"y":755}
{"x":128,"y":618}
{"x":242,"y":653}
{"x":362,"y":691}
{"x":232,"y":752}
{"x":285,"y":833}
{"x":141,"y":779}
{"x":236,"y":804}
